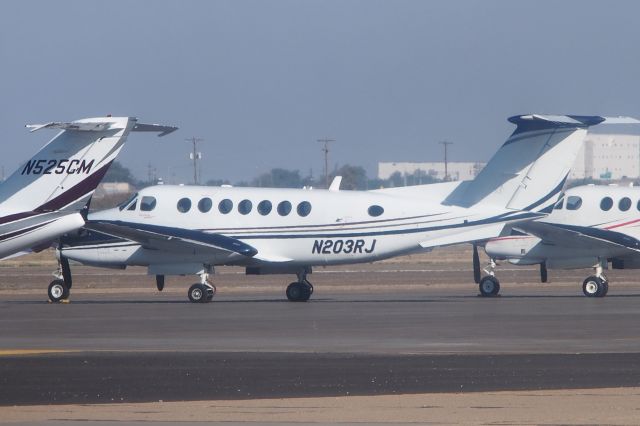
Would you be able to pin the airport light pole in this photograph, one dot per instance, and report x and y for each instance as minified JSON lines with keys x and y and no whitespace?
{"x":325,"y":149}
{"x":195,"y":156}
{"x":446,"y":164}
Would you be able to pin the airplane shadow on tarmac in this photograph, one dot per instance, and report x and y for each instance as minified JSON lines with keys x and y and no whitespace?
{"x":437,"y":299}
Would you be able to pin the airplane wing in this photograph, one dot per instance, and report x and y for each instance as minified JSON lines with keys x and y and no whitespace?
{"x":582,"y":237}
{"x":172,"y":239}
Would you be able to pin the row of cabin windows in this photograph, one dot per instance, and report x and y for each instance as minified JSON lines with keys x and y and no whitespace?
{"x":225,"y":206}
{"x":574,"y":202}
{"x":245,"y":207}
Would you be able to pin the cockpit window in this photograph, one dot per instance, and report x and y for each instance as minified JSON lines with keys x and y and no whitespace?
{"x":606,"y":203}
{"x":147,"y":203}
{"x":129,"y":201}
{"x":559,"y":205}
{"x":624,"y":204}
{"x":574,"y":202}
{"x":133,"y":205}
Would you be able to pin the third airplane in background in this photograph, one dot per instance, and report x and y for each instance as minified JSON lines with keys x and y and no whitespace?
{"x":590,"y":227}
{"x":189,"y":229}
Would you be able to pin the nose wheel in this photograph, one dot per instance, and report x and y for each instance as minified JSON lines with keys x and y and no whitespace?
{"x":594,"y":286}
{"x":58,"y":291}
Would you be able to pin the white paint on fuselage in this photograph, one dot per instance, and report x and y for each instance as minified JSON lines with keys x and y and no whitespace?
{"x":341,"y":217}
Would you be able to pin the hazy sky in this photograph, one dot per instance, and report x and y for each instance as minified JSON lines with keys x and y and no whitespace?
{"x":260,"y":81}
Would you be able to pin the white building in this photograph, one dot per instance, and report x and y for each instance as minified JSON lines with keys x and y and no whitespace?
{"x":457,"y":171}
{"x":608,"y":156}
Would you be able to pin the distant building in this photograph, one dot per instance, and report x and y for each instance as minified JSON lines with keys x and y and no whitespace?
{"x":457,"y":171}
{"x":608,"y":156}
{"x":106,"y":189}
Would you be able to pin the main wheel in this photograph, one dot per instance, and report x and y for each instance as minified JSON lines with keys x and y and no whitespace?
{"x":595,"y":287}
{"x":198,"y":293}
{"x":489,"y":286}
{"x":298,"y":292}
{"x":58,"y":291}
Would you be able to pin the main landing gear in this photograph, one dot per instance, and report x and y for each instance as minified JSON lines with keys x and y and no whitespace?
{"x":596,"y":285}
{"x":60,"y":288}
{"x":489,"y":285}
{"x":203,"y":291}
{"x":301,"y":290}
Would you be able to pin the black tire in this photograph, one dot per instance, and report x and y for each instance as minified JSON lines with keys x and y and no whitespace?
{"x":489,"y":286}
{"x":197,"y":293}
{"x":58,"y":291}
{"x":594,"y":287}
{"x":298,"y":292}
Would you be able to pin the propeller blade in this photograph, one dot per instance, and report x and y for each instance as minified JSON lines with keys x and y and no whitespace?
{"x":160,"y":282}
{"x":543,"y":272}
{"x":476,"y":265}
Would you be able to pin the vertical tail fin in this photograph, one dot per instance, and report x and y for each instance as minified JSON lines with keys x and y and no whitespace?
{"x":529,"y":171}
{"x":66,"y":171}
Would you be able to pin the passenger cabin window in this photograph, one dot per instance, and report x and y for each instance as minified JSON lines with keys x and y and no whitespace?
{"x":624,"y":204}
{"x":225,"y":206}
{"x":130,"y":200}
{"x":147,"y":203}
{"x":559,"y":205}
{"x":574,"y":202}
{"x":205,"y":204}
{"x":264,"y":207}
{"x":606,"y":203}
{"x":304,"y":208}
{"x":284,"y":208}
{"x":184,"y":205}
{"x":245,"y":206}
{"x":375,"y":211}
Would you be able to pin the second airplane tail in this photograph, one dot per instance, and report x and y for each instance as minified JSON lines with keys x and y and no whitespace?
{"x":529,"y":171}
{"x":66,"y":171}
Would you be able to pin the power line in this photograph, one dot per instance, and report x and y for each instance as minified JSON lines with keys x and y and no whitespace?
{"x":195,"y":156}
{"x":325,"y":149}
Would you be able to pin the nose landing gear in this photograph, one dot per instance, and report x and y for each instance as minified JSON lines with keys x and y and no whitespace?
{"x":59,"y":288}
{"x":596,"y":285}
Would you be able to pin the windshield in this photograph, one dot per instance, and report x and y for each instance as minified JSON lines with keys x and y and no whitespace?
{"x":129,"y":201}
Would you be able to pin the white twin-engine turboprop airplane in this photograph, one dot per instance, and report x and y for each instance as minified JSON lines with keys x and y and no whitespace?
{"x":590,"y":227}
{"x":189,"y":229}
{"x":44,"y":197}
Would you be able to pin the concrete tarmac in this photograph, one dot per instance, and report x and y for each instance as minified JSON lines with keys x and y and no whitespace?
{"x":388,"y":328}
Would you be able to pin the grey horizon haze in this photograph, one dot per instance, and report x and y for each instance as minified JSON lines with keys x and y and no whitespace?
{"x":261,"y":81}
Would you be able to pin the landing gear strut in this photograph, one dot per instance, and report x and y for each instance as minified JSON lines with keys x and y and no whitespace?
{"x":489,"y":285}
{"x":301,"y":290}
{"x":203,"y":291}
{"x":59,"y":288}
{"x":596,"y":285}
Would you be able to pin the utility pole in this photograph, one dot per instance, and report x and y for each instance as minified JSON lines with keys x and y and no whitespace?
{"x":195,"y":156}
{"x":446,"y":169}
{"x":151,"y":174}
{"x":325,"y":149}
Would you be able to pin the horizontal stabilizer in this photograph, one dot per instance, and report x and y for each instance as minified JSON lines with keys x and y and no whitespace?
{"x":163,"y":130}
{"x":101,"y":126}
{"x":475,"y":234}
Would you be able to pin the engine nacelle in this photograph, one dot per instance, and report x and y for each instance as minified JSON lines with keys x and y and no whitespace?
{"x":516,"y":249}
